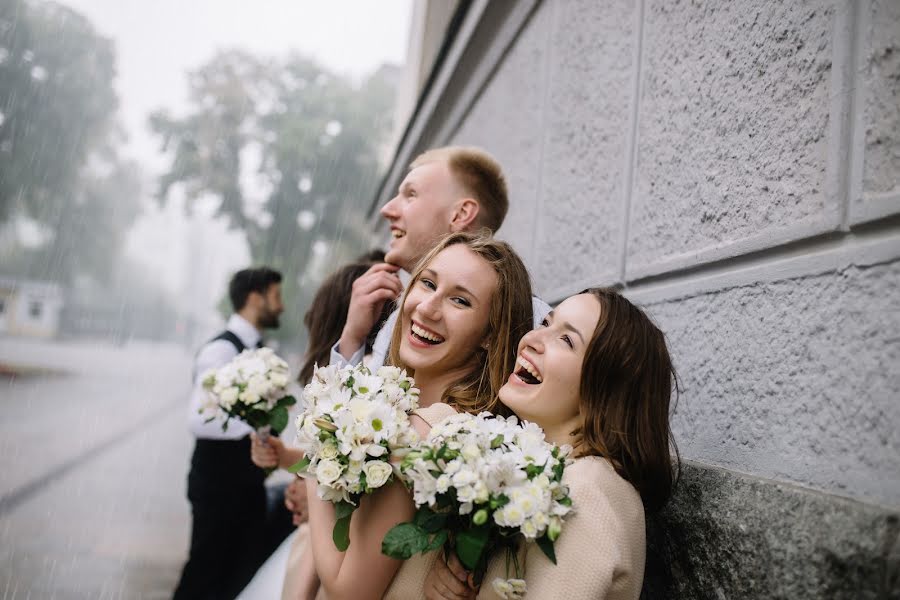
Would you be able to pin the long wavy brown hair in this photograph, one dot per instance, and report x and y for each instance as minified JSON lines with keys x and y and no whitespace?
{"x":510,"y":318}
{"x":327,"y":314}
{"x":627,"y":383}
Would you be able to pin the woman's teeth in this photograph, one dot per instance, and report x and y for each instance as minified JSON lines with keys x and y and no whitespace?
{"x":529,"y":368}
{"x":396,"y":233}
{"x":430,"y":337}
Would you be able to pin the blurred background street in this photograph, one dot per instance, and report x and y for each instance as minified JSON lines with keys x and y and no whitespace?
{"x":93,"y":460}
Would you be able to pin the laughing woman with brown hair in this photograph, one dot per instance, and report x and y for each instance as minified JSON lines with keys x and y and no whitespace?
{"x":596,"y":375}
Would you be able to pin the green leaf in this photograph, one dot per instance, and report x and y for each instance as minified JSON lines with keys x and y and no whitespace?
{"x":546,"y":547}
{"x":286,"y":401}
{"x":278,"y":419}
{"x":341,"y":533}
{"x":429,"y":520}
{"x":470,"y":544}
{"x":404,"y":540}
{"x":299,"y":466}
{"x":343,"y":509}
{"x":437,"y":541}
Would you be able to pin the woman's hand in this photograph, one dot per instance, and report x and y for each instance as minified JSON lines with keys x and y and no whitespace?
{"x":265,"y":455}
{"x":449,"y":581}
{"x":295,"y":500}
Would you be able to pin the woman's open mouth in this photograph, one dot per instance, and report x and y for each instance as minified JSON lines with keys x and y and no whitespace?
{"x":527,"y":372}
{"x":421,"y":334}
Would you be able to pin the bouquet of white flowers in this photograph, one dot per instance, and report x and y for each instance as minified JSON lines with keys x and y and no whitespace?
{"x":252,"y":388}
{"x":481,"y":484}
{"x":353,"y":421}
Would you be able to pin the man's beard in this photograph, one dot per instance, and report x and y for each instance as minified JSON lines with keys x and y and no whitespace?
{"x":268,"y":320}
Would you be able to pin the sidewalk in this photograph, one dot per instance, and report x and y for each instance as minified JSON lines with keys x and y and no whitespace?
{"x":92,"y":470}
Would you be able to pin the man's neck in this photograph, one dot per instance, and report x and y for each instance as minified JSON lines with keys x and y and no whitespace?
{"x":250,"y":318}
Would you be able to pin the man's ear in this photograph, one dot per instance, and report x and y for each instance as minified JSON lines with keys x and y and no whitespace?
{"x":464,"y":214}
{"x":255,"y":299}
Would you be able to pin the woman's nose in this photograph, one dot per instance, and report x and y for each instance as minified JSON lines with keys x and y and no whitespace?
{"x":534,"y":339}
{"x":431,"y":307}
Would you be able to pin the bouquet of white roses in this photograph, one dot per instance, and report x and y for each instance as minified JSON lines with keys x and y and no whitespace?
{"x":252,"y":388}
{"x":481,"y":484}
{"x":353,"y":421}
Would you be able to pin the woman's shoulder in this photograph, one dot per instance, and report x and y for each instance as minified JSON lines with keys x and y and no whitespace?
{"x":593,"y":479}
{"x":435,"y":413}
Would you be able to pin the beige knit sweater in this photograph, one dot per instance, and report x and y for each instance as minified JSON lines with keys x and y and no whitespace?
{"x":600,"y":553}
{"x":409,"y":580}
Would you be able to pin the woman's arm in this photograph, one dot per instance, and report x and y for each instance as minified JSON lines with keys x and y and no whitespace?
{"x":362,"y":571}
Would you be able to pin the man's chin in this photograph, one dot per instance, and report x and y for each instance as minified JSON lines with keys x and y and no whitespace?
{"x":270,"y":323}
{"x":395,"y":257}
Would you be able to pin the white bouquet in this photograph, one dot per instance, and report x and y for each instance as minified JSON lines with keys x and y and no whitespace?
{"x":252,"y":388}
{"x":481,"y":484}
{"x":353,"y":421}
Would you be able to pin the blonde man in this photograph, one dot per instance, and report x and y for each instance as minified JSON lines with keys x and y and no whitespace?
{"x":446,"y":190}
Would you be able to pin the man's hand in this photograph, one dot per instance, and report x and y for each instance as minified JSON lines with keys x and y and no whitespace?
{"x":295,"y":500}
{"x":370,"y":291}
{"x":449,"y":581}
{"x":263,"y":454}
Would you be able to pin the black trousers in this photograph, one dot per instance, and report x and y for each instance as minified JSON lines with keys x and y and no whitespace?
{"x":232,"y":532}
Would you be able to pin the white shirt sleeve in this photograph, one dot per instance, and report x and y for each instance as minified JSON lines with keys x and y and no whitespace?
{"x":212,"y":355}
{"x":380,"y":348}
{"x":338,"y":359}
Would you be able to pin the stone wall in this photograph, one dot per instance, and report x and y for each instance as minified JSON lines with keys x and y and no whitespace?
{"x":735,"y":168}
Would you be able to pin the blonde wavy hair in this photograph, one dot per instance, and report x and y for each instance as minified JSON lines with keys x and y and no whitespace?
{"x":510,"y":318}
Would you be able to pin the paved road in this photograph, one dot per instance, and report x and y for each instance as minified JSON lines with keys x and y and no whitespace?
{"x":93,"y":460}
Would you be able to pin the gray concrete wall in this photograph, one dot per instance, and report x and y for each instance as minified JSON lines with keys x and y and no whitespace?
{"x":735,"y":167}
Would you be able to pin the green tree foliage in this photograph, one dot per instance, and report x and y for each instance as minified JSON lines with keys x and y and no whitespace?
{"x":58,"y":166}
{"x":289,"y":151}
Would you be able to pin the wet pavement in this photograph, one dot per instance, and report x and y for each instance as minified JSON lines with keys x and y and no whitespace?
{"x":93,"y":459}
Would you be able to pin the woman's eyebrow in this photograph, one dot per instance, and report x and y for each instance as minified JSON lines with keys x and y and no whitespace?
{"x":569,"y":327}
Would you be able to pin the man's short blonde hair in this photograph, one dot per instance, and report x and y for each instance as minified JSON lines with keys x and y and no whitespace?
{"x":479,"y":175}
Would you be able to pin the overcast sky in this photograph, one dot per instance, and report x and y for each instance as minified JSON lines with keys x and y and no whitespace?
{"x":158,"y":41}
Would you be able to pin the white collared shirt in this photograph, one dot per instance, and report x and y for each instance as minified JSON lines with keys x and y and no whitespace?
{"x":382,"y":344}
{"x":213,"y":355}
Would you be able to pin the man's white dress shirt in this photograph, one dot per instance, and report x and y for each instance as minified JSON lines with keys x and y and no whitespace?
{"x":382,"y":344}
{"x":211,"y":356}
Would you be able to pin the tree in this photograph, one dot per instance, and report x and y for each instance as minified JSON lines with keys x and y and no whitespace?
{"x":290,"y":152}
{"x":58,"y":165}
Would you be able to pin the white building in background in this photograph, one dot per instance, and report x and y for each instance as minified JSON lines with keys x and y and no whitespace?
{"x":29,"y":308}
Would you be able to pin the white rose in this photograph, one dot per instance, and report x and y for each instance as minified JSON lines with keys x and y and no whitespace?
{"x":229,"y":396}
{"x":377,"y":473}
{"x":278,"y":379}
{"x":328,"y":452}
{"x":328,"y":471}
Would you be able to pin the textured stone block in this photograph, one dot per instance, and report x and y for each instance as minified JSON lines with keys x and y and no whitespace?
{"x":795,"y":380}
{"x":732,"y":133}
{"x":725,"y":535}
{"x":505,"y":120}
{"x":587,"y":126}
{"x":879,"y":81}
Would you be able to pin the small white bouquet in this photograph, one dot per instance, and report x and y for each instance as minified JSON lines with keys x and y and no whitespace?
{"x":481,"y":484}
{"x":353,"y":421}
{"x":252,"y":388}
